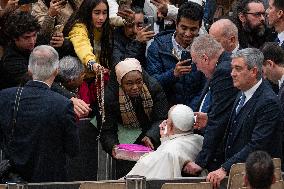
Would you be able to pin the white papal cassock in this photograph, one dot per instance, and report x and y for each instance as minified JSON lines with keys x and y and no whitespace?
{"x":168,"y":160}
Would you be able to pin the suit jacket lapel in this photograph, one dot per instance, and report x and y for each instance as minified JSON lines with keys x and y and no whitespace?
{"x":247,"y":108}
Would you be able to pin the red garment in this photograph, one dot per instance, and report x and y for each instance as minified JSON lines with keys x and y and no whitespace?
{"x":88,"y":89}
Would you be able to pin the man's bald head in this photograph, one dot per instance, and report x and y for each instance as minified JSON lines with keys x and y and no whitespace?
{"x":226,"y":33}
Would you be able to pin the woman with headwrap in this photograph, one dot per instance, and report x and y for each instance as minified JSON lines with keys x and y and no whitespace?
{"x":135,"y":105}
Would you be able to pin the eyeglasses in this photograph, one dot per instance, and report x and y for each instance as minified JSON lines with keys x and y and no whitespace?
{"x":257,"y":14}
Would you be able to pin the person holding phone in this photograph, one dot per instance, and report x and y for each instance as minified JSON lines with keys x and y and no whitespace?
{"x":169,"y":59}
{"x":52,"y":16}
{"x":130,"y":39}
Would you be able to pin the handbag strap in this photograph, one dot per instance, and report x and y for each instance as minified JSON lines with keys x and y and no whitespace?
{"x":15,"y":112}
{"x":5,"y":151}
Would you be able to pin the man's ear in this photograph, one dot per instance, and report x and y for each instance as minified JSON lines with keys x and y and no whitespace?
{"x":233,"y":39}
{"x":205,"y":57}
{"x":56,"y":71}
{"x":269,"y":63}
{"x":30,"y":72}
{"x":280,"y":14}
{"x":242,"y":17}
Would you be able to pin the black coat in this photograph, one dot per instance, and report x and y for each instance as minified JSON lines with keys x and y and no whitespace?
{"x":14,"y":67}
{"x":223,"y":95}
{"x":149,"y":127}
{"x":45,"y":132}
{"x":124,"y":47}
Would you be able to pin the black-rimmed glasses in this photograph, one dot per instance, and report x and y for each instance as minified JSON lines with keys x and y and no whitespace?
{"x":257,"y":14}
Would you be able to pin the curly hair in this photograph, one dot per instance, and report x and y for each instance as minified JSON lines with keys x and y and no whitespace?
{"x":84,"y":15}
{"x":18,"y":23}
{"x":192,"y":11}
{"x":241,"y":6}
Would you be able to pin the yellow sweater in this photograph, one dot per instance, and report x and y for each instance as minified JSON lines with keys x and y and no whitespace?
{"x":82,"y":44}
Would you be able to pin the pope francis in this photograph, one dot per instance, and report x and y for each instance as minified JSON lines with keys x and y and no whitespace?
{"x":178,"y":146}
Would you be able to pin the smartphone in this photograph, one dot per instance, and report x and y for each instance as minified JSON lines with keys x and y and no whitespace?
{"x":58,"y":28}
{"x":149,"y":20}
{"x":22,"y":2}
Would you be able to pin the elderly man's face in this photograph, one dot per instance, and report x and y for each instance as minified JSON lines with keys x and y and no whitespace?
{"x":224,"y":40}
{"x":203,"y":64}
{"x":254,"y":19}
{"x":243,"y":78}
{"x":132,"y":83}
{"x":27,"y":41}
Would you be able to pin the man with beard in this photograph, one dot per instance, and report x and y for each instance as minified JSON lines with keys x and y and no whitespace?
{"x":249,"y":16}
{"x":168,"y":58}
{"x":275,"y":17}
{"x":130,"y":39}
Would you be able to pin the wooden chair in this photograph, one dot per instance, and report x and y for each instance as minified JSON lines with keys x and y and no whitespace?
{"x":237,"y":172}
{"x":201,"y":185}
{"x":278,"y":185}
{"x":102,"y":185}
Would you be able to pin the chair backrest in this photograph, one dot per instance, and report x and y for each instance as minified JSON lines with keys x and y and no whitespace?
{"x":102,"y":185}
{"x":237,"y":172}
{"x":235,"y":180}
{"x":277,"y":169}
{"x":201,"y":185}
{"x":278,"y":185}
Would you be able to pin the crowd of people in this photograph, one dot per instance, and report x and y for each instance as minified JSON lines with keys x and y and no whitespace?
{"x":204,"y":94}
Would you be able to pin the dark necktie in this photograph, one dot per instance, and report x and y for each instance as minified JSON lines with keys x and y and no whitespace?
{"x":241,"y":103}
{"x":277,"y":40}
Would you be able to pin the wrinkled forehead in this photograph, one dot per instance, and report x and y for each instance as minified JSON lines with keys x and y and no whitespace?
{"x":256,"y":7}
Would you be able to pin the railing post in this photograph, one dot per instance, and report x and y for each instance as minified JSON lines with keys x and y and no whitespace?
{"x":135,"y":182}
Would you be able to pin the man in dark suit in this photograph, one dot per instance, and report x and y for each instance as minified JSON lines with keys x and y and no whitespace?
{"x":273,"y":66}
{"x":45,"y":131}
{"x":256,"y":119}
{"x":210,"y":58}
{"x":275,"y":16}
{"x":273,"y":70}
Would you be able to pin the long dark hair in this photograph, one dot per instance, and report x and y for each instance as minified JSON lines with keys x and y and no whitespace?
{"x":84,"y":15}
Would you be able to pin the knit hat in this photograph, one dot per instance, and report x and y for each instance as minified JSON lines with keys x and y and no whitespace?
{"x":182,"y":117}
{"x":126,"y":66}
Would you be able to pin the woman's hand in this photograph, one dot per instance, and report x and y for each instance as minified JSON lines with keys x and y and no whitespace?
{"x":147,"y":141}
{"x":98,"y":68}
{"x":11,"y":5}
{"x":56,"y":7}
{"x":113,"y":151}
{"x":57,"y":40}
